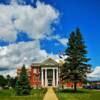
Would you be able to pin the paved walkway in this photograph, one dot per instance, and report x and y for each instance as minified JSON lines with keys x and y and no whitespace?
{"x":50,"y":95}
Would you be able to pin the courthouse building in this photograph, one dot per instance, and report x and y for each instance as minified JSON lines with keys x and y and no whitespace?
{"x":45,"y":74}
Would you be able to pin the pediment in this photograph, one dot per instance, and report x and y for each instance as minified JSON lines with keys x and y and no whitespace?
{"x":49,"y":61}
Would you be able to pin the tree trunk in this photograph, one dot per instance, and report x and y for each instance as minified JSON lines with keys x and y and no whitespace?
{"x":75,"y":86}
{"x":62,"y":86}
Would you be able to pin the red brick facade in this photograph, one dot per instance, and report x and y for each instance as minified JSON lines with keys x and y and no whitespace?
{"x":36,"y":82}
{"x":35,"y":77}
{"x":70,"y":84}
{"x":35,"y":72}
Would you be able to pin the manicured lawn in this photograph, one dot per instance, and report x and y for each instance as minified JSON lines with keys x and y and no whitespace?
{"x":82,"y":94}
{"x":36,"y":94}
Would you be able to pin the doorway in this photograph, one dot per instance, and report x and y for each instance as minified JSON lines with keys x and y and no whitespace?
{"x":49,"y":76}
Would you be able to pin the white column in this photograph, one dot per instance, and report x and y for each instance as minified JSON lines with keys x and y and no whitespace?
{"x":45,"y":77}
{"x":54,"y":77}
{"x":42,"y":78}
{"x":57,"y":77}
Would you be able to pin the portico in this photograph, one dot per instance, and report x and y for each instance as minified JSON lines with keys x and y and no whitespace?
{"x":50,"y":76}
{"x":49,"y":73}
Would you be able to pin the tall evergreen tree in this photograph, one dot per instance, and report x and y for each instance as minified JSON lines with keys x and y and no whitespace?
{"x":22,"y":83}
{"x":76,"y":64}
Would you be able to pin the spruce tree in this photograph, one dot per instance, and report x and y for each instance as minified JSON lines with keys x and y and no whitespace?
{"x":76,"y":64}
{"x":22,"y":83}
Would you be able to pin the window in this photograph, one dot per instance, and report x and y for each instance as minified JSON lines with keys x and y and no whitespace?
{"x":34,"y":70}
{"x":34,"y":78}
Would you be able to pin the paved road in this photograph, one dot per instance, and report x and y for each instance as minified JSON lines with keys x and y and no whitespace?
{"x":50,"y":95}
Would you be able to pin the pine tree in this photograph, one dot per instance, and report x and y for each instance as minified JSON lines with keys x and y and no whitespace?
{"x":76,"y":64}
{"x":22,"y":83}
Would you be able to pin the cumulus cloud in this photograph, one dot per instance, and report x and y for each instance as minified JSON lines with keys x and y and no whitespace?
{"x":22,"y":2}
{"x":36,"y":22}
{"x":11,"y":72}
{"x":15,"y":55}
{"x":95,"y":75}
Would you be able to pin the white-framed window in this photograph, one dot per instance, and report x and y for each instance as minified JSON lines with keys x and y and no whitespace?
{"x":35,"y":70}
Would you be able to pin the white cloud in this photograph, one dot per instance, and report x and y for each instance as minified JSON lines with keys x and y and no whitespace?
{"x":36,"y":22}
{"x":11,"y":72}
{"x":21,"y":1}
{"x":95,"y":75}
{"x":15,"y":55}
{"x":62,"y":41}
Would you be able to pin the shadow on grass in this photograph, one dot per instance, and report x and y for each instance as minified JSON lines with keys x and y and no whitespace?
{"x":71,"y":91}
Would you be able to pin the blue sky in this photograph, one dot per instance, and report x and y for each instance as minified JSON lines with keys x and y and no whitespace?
{"x":84,"y":14}
{"x":68,"y":15}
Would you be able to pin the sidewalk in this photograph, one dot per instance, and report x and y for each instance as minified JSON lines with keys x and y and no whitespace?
{"x":50,"y":95}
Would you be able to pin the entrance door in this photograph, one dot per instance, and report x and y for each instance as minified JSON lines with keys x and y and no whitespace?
{"x":49,"y":82}
{"x":50,"y":76}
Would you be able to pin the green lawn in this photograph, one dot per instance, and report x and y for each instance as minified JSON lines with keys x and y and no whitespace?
{"x":82,"y":94}
{"x":36,"y":94}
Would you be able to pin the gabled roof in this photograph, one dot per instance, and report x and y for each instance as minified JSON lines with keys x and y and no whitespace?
{"x":49,"y":61}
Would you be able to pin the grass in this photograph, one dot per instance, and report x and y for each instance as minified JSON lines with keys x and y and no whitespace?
{"x":82,"y":94}
{"x":36,"y":94}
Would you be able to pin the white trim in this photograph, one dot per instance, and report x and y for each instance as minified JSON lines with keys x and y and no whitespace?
{"x":49,"y":67}
{"x":42,"y":79}
{"x":46,"y":80}
{"x":54,"y":77}
{"x":57,"y":77}
{"x":45,"y":77}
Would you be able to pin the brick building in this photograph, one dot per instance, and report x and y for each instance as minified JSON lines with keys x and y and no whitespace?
{"x":45,"y":74}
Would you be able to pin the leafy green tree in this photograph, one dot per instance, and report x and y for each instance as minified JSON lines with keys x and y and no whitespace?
{"x":8,"y":80}
{"x":3,"y":81}
{"x":22,"y":83}
{"x":76,"y":64}
{"x":13,"y":82}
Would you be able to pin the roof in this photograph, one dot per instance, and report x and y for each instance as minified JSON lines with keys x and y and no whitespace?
{"x":48,"y":62}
